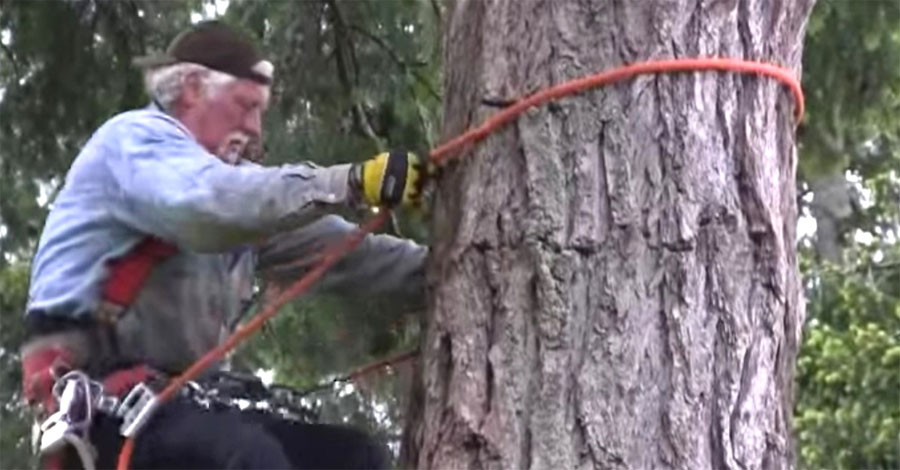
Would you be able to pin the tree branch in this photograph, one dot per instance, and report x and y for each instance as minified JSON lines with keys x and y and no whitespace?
{"x":403,"y":64}
{"x":361,"y":120}
{"x":12,"y":59}
{"x":362,"y":371}
{"x":436,"y":7}
{"x":836,"y":141}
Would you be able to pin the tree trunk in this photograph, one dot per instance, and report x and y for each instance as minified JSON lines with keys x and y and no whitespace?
{"x":614,"y":279}
{"x":831,"y":205}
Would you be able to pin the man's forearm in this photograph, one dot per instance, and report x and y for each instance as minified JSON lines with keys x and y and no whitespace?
{"x":382,"y":263}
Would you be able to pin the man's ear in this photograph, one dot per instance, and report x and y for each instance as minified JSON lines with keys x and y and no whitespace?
{"x":193,"y":92}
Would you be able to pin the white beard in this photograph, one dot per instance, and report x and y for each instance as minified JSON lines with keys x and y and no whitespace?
{"x":233,"y":147}
{"x":230,"y":157}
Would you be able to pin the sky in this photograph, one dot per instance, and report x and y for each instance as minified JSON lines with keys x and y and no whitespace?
{"x":211,"y":10}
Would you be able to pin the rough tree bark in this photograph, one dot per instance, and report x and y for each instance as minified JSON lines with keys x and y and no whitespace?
{"x":614,"y":280}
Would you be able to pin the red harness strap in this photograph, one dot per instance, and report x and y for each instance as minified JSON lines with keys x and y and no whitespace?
{"x":128,"y":274}
{"x":42,"y":367}
{"x":39,"y":372}
{"x":122,"y":381}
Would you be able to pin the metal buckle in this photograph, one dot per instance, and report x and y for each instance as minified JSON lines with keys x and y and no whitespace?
{"x":69,"y":418}
{"x":107,"y":404}
{"x":136,"y":409}
{"x":53,"y":432}
{"x":108,"y":313}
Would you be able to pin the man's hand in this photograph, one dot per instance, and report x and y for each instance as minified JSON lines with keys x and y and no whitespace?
{"x":390,"y":178}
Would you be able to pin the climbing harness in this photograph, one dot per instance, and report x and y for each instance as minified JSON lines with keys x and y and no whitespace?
{"x":78,"y":396}
{"x":67,"y":396}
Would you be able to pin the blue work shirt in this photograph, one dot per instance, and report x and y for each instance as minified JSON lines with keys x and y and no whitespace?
{"x":143,"y":173}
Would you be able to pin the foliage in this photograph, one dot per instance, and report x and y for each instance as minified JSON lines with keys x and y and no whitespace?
{"x":847,"y":403}
{"x":57,"y":88}
{"x":851,"y":79}
{"x":352,"y":78}
{"x":15,"y":430}
{"x":848,"y":407}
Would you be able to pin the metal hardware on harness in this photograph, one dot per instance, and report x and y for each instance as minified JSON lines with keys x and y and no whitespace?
{"x":75,"y":394}
{"x":53,"y":432}
{"x":109,"y":313}
{"x":136,"y":409}
{"x":107,"y":404}
{"x":79,"y":398}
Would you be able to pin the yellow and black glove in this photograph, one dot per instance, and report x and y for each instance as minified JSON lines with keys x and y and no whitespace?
{"x":390,"y":178}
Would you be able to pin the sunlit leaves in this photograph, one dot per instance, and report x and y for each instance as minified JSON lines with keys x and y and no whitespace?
{"x":848,"y":397}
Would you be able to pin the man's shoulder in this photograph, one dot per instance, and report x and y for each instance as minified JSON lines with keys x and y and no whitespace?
{"x":146,"y":120}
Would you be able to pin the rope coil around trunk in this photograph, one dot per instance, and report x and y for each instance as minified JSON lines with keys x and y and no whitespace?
{"x":446,"y":151}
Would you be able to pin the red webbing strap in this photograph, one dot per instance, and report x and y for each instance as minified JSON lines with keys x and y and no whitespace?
{"x":54,"y":461}
{"x":128,"y":273}
{"x":120,"y":382}
{"x":39,"y":370}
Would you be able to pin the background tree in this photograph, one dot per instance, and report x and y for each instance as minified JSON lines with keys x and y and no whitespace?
{"x":852,"y":79}
{"x":614,"y":279}
{"x":847,"y":407}
{"x":848,"y":410}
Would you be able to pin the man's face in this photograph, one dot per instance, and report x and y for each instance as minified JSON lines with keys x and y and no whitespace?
{"x":229,"y":120}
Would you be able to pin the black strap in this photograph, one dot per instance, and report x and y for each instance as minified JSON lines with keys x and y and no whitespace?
{"x":40,"y":324}
{"x":102,"y":339}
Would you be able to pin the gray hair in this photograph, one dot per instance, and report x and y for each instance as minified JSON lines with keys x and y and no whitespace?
{"x":165,"y":84}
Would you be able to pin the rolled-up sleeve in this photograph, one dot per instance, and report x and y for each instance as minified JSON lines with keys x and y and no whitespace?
{"x":380,"y":264}
{"x":171,"y":187}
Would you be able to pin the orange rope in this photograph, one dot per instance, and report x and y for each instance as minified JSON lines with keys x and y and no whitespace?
{"x":443,"y":153}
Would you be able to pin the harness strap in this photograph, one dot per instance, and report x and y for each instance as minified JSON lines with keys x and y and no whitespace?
{"x":40,"y":369}
{"x":128,"y":274}
{"x":49,"y":357}
{"x":42,"y":366}
{"x":122,"y":381}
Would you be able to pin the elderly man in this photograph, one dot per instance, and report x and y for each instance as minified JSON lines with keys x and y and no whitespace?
{"x":175,"y":178}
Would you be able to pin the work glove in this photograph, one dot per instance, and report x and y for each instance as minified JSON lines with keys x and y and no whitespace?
{"x":390,"y":178}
